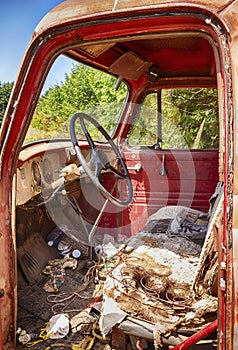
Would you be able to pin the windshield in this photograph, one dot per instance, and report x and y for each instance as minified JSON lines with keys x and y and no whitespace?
{"x":71,"y":88}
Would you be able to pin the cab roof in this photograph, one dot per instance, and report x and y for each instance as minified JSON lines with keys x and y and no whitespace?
{"x":72,"y":10}
{"x":127,"y":39}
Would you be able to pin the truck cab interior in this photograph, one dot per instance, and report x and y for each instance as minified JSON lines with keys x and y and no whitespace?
{"x":119,"y":207}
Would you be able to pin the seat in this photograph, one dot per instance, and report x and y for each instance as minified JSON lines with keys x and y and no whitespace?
{"x":165,"y":279}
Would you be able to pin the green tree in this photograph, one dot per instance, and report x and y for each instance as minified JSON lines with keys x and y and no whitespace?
{"x":83,"y":89}
{"x":197,"y":114}
{"x":189,"y":119}
{"x":5,"y":92}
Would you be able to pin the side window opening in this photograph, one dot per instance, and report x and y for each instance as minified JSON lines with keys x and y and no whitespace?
{"x":184,"y":118}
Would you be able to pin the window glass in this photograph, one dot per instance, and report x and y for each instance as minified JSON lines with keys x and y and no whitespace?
{"x":180,"y":118}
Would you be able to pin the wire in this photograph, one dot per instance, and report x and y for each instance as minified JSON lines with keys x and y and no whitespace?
{"x":136,"y":277}
{"x":65,"y":299}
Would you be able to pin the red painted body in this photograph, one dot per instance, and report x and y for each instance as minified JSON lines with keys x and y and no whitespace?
{"x":196,"y":337}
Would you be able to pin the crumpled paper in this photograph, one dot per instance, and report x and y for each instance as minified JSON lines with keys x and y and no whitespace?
{"x":110,"y":316}
{"x":58,"y":326}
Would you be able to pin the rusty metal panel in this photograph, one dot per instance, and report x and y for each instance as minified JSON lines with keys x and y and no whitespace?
{"x":72,"y":10}
{"x":235,"y":286}
{"x":207,"y":4}
{"x":229,"y":14}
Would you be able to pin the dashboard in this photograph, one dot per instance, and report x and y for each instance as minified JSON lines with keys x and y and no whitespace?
{"x":41,"y":169}
{"x":40,"y":165}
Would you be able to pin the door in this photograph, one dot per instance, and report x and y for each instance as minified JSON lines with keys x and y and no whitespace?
{"x":172,"y":152}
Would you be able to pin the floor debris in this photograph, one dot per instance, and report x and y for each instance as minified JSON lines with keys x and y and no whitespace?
{"x":143,"y":288}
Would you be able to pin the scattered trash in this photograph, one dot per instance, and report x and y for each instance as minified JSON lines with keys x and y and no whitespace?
{"x":112,"y":315}
{"x":54,"y":237}
{"x":191,"y":224}
{"x":64,"y":240}
{"x":143,"y":289}
{"x":58,"y":326}
{"x":82,"y":321}
{"x":76,"y":253}
{"x":53,"y":284}
{"x":56,"y":270}
{"x":64,"y":247}
{"x":86,"y":324}
{"x":23,"y":337}
{"x":108,"y":250}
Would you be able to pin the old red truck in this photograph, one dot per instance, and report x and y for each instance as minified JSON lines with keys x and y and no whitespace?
{"x":121,"y":221}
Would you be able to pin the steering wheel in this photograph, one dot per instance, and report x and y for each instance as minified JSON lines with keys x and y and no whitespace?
{"x":99,"y":161}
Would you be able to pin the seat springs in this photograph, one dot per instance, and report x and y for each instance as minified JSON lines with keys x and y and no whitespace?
{"x":155,"y":286}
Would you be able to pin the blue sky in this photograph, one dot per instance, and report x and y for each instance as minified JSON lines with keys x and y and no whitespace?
{"x":18,"y":19}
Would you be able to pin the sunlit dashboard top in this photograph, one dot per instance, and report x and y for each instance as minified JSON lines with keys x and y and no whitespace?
{"x":40,"y":165}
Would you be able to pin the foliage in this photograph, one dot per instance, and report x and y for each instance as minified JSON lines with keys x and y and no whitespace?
{"x":145,"y":127}
{"x":5,"y":92}
{"x":196,"y":116}
{"x":84,"y":90}
{"x":188,"y":118}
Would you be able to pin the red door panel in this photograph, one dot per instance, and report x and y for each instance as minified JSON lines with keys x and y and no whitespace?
{"x":186,"y":178}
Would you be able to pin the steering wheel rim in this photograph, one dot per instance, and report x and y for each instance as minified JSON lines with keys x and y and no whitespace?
{"x":101,"y":163}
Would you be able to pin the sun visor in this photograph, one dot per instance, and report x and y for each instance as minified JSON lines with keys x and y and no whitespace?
{"x":130,"y":66}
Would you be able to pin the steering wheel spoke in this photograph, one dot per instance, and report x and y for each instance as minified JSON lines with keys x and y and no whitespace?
{"x":99,"y":160}
{"x":117,"y":172}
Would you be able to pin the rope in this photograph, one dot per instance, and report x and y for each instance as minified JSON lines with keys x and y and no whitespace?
{"x":85,"y":344}
{"x":43,"y":337}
